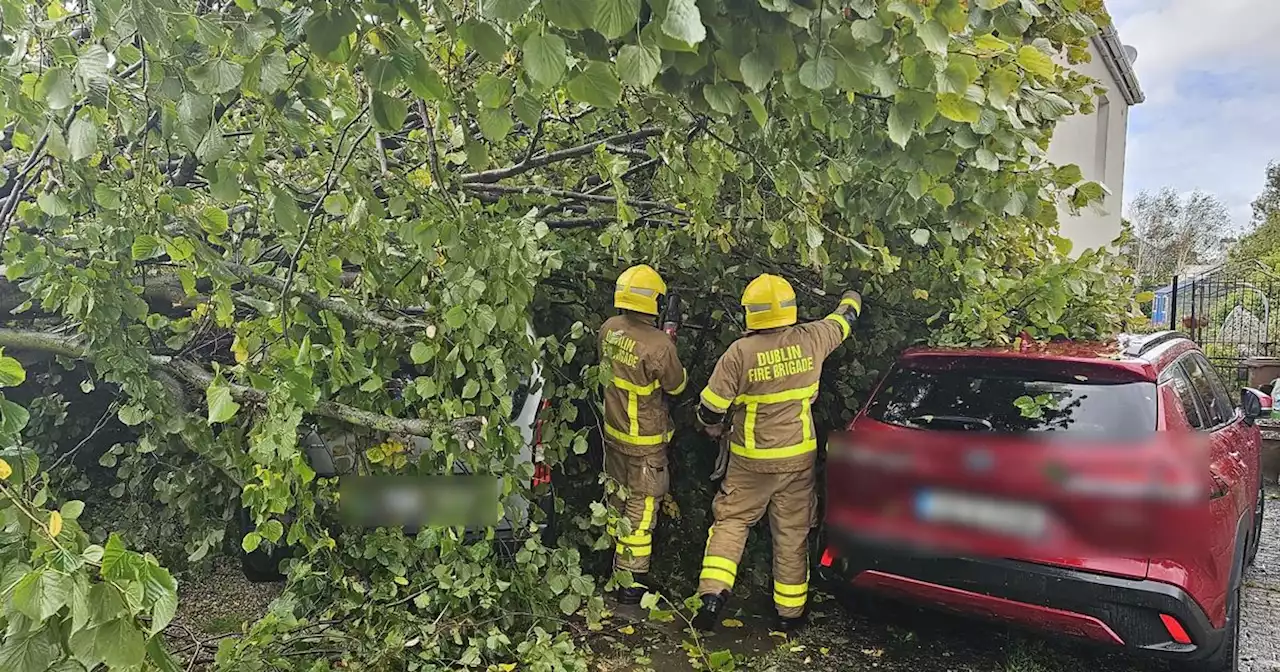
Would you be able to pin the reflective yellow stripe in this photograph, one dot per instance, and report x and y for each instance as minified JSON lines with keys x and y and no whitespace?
{"x":635,"y":551}
{"x":785,"y":601}
{"x":633,"y":412}
{"x":714,"y":401}
{"x":722,"y":564}
{"x":717,"y":575}
{"x":684,"y":380}
{"x":806,"y":420}
{"x":646,"y":518}
{"x":844,"y":324}
{"x":749,"y":426}
{"x":796,"y":394}
{"x":853,"y":303}
{"x":637,"y":439}
{"x":774,"y":453}
{"x":637,"y":389}
{"x":643,"y":538}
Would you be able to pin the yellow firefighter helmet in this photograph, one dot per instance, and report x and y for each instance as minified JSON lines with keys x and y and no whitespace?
{"x":770,"y":302}
{"x":638,"y":289}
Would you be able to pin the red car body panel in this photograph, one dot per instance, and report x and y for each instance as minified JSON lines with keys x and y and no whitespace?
{"x":880,"y":505}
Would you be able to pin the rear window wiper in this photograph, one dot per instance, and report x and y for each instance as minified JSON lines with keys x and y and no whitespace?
{"x":963,"y":420}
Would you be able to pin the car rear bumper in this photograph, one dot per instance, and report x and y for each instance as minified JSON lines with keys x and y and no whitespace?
{"x":1101,"y":608}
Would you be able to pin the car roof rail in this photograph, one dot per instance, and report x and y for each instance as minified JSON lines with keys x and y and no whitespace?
{"x":1138,"y":345}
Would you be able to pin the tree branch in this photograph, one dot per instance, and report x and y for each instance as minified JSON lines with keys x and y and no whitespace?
{"x":353,"y":313}
{"x":572,"y":195}
{"x":490,"y":176}
{"x":195,"y":375}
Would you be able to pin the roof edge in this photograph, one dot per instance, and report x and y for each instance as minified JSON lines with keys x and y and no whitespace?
{"x":1112,"y":50}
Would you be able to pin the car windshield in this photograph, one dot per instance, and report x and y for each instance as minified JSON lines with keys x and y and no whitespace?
{"x":1008,"y":397}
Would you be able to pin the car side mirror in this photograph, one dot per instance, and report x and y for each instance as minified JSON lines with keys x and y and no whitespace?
{"x":1252,"y":403}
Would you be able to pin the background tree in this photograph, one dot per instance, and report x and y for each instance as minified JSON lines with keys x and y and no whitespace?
{"x":1173,"y":231}
{"x":248,"y":219}
{"x":1267,"y":203}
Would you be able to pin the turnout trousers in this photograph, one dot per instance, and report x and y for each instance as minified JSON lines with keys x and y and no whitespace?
{"x":744,"y":497}
{"x":647,"y":480}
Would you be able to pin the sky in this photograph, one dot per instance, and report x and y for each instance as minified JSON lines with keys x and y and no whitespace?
{"x":1211,"y":73}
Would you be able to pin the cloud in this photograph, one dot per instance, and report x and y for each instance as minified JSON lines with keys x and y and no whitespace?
{"x":1212,"y":116}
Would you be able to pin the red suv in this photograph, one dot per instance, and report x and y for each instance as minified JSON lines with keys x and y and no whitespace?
{"x":1016,"y":484}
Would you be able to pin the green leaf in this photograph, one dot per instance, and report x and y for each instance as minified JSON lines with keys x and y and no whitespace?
{"x":684,"y":22}
{"x":920,"y":237}
{"x":31,"y":651}
{"x":615,"y":18}
{"x":958,"y":108}
{"x":962,"y":70}
{"x":867,"y":32}
{"x":272,"y":530}
{"x":251,"y":542}
{"x":570,"y":603}
{"x":93,"y":63}
{"x":639,"y":64}
{"x":505,"y":10}
{"x":990,"y":42}
{"x":221,"y":406}
{"x":495,"y":124}
{"x":106,"y":197}
{"x":56,"y":89}
{"x":11,"y":372}
{"x":425,"y":82}
{"x":943,"y":194}
{"x":132,"y":415}
{"x":40,"y":594}
{"x":596,"y":85}
{"x":935,"y":37}
{"x":471,"y":389}
{"x":901,"y":125}
{"x":544,"y":58}
{"x":389,"y":112}
{"x":991,"y":4}
{"x":952,"y":15}
{"x":722,"y":97}
{"x":1065,"y":176}
{"x":757,"y":69}
{"x":420,"y":353}
{"x":493,"y":91}
{"x":1001,"y":85}
{"x":1037,"y":62}
{"x":146,"y":246}
{"x":758,"y":112}
{"x":818,"y":73}
{"x":485,"y":39}
{"x":13,"y":418}
{"x":214,"y":220}
{"x":571,"y":14}
{"x":53,"y":204}
{"x":986,"y":159}
{"x":120,"y":643}
{"x":82,"y":138}
{"x":162,"y":592}
{"x":72,"y":509}
{"x":456,"y":316}
{"x":216,"y":76}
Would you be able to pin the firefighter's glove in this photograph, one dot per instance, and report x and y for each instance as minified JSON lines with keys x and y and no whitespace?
{"x":851,"y":301}
{"x":722,"y":462}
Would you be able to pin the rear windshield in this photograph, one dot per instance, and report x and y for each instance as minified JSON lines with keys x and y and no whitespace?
{"x":1008,"y":397}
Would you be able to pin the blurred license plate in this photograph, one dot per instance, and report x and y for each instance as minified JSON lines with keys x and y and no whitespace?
{"x":992,"y":515}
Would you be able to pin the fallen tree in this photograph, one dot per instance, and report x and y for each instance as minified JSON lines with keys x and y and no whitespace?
{"x":284,"y":206}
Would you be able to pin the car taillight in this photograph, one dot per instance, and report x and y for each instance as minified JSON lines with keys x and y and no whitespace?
{"x":827,"y":558}
{"x":1175,"y":629}
{"x":541,"y":472}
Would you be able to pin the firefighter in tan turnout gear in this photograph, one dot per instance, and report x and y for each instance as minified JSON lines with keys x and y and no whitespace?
{"x":765,"y":383}
{"x":637,"y":425}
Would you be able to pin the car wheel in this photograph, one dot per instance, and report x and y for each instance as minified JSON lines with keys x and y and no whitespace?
{"x":262,"y":565}
{"x":1227,"y":657}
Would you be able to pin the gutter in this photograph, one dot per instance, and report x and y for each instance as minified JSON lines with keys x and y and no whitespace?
{"x":1108,"y":43}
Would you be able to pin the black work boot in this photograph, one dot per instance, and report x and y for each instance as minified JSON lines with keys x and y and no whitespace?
{"x":639,"y":586}
{"x":709,"y":615}
{"x":790,"y":624}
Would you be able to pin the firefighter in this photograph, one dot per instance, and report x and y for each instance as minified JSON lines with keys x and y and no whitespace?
{"x":766,"y":382}
{"x":637,"y":426}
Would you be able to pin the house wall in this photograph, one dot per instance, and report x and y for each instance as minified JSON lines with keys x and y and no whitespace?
{"x":1095,"y":143}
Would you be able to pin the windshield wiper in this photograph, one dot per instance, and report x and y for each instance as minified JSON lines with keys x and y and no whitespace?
{"x":962,"y":420}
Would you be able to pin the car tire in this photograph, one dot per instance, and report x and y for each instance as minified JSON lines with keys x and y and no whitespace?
{"x":1227,"y":657}
{"x":262,"y":565}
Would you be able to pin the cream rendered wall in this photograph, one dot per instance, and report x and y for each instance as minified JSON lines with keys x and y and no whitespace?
{"x":1096,"y":143}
